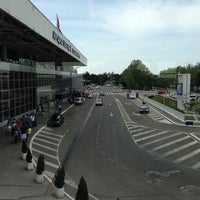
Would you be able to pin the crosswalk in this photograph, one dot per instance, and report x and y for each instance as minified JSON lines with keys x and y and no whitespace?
{"x":178,"y":147}
{"x":46,"y":142}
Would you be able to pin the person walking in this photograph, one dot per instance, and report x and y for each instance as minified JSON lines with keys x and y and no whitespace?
{"x":28,"y":132}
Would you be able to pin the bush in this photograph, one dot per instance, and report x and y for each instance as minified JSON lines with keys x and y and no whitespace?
{"x":40,"y":165}
{"x":29,"y":156}
{"x":24,"y":147}
{"x":82,"y":192}
{"x":60,"y":177}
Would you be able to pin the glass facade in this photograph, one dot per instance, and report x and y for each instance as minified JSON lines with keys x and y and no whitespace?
{"x":18,"y":90}
{"x":17,"y":93}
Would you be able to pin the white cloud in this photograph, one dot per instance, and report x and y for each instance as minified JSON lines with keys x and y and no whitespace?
{"x":112,"y":33}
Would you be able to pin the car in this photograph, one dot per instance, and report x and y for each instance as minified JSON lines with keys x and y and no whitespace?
{"x":90,"y":95}
{"x":78,"y":101}
{"x":102,"y":93}
{"x":132,"y":95}
{"x":193,"y":97}
{"x":99,"y":102}
{"x":55,"y":120}
{"x":144,"y":108}
{"x":173,"y":95}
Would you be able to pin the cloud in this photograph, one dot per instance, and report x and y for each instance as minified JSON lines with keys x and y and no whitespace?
{"x":113,"y":33}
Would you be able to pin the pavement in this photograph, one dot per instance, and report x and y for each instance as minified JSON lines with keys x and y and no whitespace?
{"x":17,"y":183}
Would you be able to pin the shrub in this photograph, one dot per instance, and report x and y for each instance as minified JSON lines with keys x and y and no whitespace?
{"x":24,"y":147}
{"x":40,"y":165}
{"x":82,"y":192}
{"x":29,"y":156}
{"x":60,"y":177}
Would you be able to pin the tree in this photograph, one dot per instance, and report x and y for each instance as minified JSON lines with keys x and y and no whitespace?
{"x":82,"y":192}
{"x":60,"y":177}
{"x":24,"y":147}
{"x":40,"y":165}
{"x":29,"y":156}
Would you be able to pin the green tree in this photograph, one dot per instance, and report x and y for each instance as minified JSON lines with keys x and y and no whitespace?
{"x":82,"y":192}
{"x":60,"y":177}
{"x":137,"y":76}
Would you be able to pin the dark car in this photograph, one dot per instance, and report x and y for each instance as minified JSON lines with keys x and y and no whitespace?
{"x":144,"y":108}
{"x":55,"y":120}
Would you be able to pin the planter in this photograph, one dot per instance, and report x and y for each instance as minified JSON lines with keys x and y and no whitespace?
{"x":59,"y":192}
{"x":24,"y":156}
{"x":29,"y":166}
{"x":39,"y":178}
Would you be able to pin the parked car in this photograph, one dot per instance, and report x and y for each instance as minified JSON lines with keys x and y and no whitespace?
{"x":78,"y":101}
{"x":193,"y":97}
{"x":99,"y":102}
{"x":144,"y":108}
{"x":55,"y":120}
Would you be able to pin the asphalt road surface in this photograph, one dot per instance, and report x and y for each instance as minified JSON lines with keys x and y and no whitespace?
{"x":122,"y":154}
{"x":115,"y":166}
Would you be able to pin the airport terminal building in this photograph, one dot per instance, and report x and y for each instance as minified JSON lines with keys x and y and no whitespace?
{"x":36,"y":60}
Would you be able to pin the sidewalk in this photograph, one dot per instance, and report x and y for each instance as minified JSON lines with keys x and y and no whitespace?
{"x":15,"y":181}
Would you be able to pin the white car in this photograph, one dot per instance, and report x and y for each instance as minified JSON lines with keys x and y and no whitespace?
{"x":90,"y":95}
{"x":78,"y":101}
{"x":99,"y":102}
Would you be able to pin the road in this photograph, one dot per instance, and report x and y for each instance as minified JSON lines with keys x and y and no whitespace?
{"x":122,"y":154}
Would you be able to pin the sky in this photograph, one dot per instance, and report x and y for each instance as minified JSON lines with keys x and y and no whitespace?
{"x":111,"y":33}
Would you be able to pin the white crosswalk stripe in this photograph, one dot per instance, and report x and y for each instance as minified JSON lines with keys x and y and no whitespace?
{"x":170,"y":143}
{"x":177,"y":149}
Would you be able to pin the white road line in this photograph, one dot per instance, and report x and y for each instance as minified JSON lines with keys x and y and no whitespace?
{"x":179,"y":148}
{"x":163,"y":138}
{"x":44,"y":146}
{"x":151,"y":136}
{"x":143,"y":133}
{"x":45,"y":154}
{"x":47,"y":137}
{"x":195,"y":166}
{"x":170,"y":143}
{"x":51,"y":133}
{"x":46,"y":141}
{"x":51,"y":164}
{"x":140,"y":129}
{"x":189,"y":155}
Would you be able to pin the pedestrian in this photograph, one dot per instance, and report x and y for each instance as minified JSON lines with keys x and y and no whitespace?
{"x":33,"y":120}
{"x":23,"y":133}
{"x":28,"y":134}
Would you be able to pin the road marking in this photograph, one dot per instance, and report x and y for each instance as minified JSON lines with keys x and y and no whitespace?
{"x":46,"y":141}
{"x":189,"y":155}
{"x":151,"y":136}
{"x":179,"y":148}
{"x":51,"y":133}
{"x":143,"y":133}
{"x":136,"y":130}
{"x":45,"y":154}
{"x":196,"y":166}
{"x":170,"y":143}
{"x":44,"y":146}
{"x":160,"y":139}
{"x":47,"y":137}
